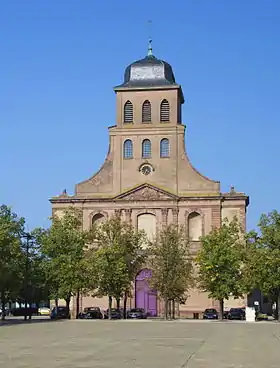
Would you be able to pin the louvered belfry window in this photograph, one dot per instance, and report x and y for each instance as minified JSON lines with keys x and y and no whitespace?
{"x":164,"y":111}
{"x":128,"y":112}
{"x":146,"y":112}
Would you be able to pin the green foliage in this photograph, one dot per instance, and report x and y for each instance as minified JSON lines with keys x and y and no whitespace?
{"x":63,"y":246}
{"x":270,"y":230}
{"x":171,"y":263}
{"x":252,"y":261}
{"x":220,"y":261}
{"x":11,"y":258}
{"x":33,"y":286}
{"x":115,"y":257}
{"x":265,"y":265}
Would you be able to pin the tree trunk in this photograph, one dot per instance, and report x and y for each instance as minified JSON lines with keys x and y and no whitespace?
{"x":169,"y":309}
{"x":110,"y":308}
{"x":30,"y":310}
{"x":67,"y":300}
{"x":173,"y":309}
{"x":166,"y":309}
{"x":77,"y":304}
{"x":118,"y":302}
{"x":56,"y":303}
{"x":278,"y":306}
{"x":124,"y":305}
{"x":221,"y":314}
{"x":3,"y":304}
{"x":25,"y":309}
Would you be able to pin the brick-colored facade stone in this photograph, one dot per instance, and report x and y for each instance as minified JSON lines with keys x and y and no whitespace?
{"x":171,"y":191}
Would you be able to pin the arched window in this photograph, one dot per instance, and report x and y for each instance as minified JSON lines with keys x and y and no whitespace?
{"x":146,"y":148}
{"x":147,"y":222}
{"x":194,"y":226}
{"x":128,"y":149}
{"x":164,"y":111}
{"x":146,"y":112}
{"x":164,"y":148}
{"x":97,"y":219}
{"x":128,"y":112}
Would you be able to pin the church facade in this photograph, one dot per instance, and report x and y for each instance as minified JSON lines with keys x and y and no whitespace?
{"x":148,"y":179}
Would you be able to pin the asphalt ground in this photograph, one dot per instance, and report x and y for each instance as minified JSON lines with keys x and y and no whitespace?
{"x":139,"y":344}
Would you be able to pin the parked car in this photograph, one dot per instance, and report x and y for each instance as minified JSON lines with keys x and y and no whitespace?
{"x":210,"y":314}
{"x":137,"y":313}
{"x":91,"y":313}
{"x":44,"y":311}
{"x":236,"y":313}
{"x":225,"y":315}
{"x":115,"y":313}
{"x":60,"y":313}
{"x":30,"y":311}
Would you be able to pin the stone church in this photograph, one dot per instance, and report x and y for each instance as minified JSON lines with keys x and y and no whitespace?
{"x":148,"y":179}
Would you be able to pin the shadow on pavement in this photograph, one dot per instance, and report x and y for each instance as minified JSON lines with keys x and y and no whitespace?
{"x":11,"y":321}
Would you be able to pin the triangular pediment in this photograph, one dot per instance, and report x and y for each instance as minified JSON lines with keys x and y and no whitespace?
{"x":146,"y":192}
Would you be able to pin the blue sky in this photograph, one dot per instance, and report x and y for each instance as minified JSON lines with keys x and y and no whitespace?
{"x":60,"y":60}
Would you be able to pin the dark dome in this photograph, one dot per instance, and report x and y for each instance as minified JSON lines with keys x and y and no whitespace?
{"x":149,"y":71}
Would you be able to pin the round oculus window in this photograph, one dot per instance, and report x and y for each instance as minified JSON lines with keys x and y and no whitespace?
{"x":146,"y":169}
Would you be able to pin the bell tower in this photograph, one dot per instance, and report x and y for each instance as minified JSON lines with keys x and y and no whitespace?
{"x":149,"y":103}
{"x":149,"y":94}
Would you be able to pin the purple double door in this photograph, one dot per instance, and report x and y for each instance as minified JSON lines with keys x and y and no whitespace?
{"x":145,"y":297}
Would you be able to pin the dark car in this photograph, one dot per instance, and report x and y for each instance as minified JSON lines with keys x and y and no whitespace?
{"x":60,"y":313}
{"x":225,"y":315}
{"x":236,"y":313}
{"x":115,"y":313}
{"x":210,"y":314}
{"x":91,"y":313}
{"x":30,"y":311}
{"x":137,"y":313}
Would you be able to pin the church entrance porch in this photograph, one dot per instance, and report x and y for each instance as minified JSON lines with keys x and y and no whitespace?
{"x":145,"y":297}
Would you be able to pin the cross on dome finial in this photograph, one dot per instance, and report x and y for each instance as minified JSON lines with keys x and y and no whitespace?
{"x":150,"y":49}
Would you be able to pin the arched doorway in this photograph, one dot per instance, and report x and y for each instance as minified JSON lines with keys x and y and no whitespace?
{"x":145,"y":297}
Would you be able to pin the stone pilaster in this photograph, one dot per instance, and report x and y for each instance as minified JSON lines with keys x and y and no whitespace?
{"x":242,"y":214}
{"x":175,"y":213}
{"x":118,"y":212}
{"x":216,"y":216}
{"x":164,"y":216}
{"x":128,"y":212}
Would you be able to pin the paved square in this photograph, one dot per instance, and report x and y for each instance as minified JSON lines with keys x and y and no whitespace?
{"x":140,"y":344}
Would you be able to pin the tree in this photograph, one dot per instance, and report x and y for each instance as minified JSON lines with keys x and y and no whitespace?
{"x":267,"y":259}
{"x":220,"y":262}
{"x":116,"y":258}
{"x":64,"y":245}
{"x":34,"y":287}
{"x":171,"y":265}
{"x":11,"y":258}
{"x":134,"y":255}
